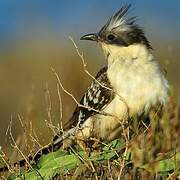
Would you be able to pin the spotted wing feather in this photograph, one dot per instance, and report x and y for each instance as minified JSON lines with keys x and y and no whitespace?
{"x":97,"y":96}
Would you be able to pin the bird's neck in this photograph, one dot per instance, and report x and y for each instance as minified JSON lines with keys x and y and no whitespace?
{"x":127,"y":54}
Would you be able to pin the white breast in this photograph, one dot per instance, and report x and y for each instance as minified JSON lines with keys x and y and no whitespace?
{"x":138,"y":81}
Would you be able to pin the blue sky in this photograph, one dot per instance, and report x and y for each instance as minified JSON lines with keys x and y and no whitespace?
{"x":76,"y":16}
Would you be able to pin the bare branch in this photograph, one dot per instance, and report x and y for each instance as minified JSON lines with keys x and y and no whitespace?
{"x":126,"y":136}
{"x":60,"y":108}
{"x":75,"y":100}
{"x":21,"y":153}
{"x":90,"y":75}
{"x":5,"y":159}
{"x":49,"y":108}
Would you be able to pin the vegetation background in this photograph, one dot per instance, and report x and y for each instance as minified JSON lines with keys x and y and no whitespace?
{"x":34,"y":38}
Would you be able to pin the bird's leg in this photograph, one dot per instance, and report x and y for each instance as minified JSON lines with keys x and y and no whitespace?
{"x":95,"y":144}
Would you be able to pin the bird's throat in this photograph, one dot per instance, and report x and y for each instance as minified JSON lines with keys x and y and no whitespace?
{"x":126,"y":54}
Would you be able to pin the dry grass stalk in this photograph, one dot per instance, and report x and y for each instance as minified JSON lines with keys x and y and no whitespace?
{"x":15,"y":146}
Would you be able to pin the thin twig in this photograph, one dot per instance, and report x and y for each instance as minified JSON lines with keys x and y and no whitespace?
{"x":81,"y":158}
{"x":126,"y":136}
{"x":90,"y":75}
{"x":94,"y":170}
{"x":34,"y":140}
{"x":25,"y":129}
{"x":75,"y":100}
{"x":5,"y":159}
{"x":60,"y":107}
{"x":49,"y":107}
{"x":16,"y":147}
{"x":109,"y":169}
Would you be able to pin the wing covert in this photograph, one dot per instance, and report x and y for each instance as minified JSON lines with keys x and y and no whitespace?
{"x":96,"y":98}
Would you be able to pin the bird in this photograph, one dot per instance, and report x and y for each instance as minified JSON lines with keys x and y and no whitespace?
{"x":130,"y":85}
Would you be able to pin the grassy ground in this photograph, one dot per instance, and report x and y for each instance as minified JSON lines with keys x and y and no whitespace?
{"x":153,"y":153}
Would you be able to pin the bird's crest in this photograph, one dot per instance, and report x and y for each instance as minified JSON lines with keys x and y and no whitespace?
{"x":119,"y":19}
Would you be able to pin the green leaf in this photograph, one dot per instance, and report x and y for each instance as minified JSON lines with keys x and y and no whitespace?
{"x":164,"y":165}
{"x":62,"y":162}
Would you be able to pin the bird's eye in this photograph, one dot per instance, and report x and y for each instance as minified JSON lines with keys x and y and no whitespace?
{"x":110,"y":37}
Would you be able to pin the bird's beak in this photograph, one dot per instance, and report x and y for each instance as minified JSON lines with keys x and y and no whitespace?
{"x":91,"y":37}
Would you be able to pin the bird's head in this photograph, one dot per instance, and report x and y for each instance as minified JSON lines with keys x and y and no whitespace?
{"x":119,"y":31}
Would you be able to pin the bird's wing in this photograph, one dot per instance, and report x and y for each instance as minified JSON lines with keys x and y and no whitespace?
{"x":98,"y":95}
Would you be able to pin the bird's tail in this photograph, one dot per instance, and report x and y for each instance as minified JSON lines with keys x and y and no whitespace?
{"x":54,"y":146}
